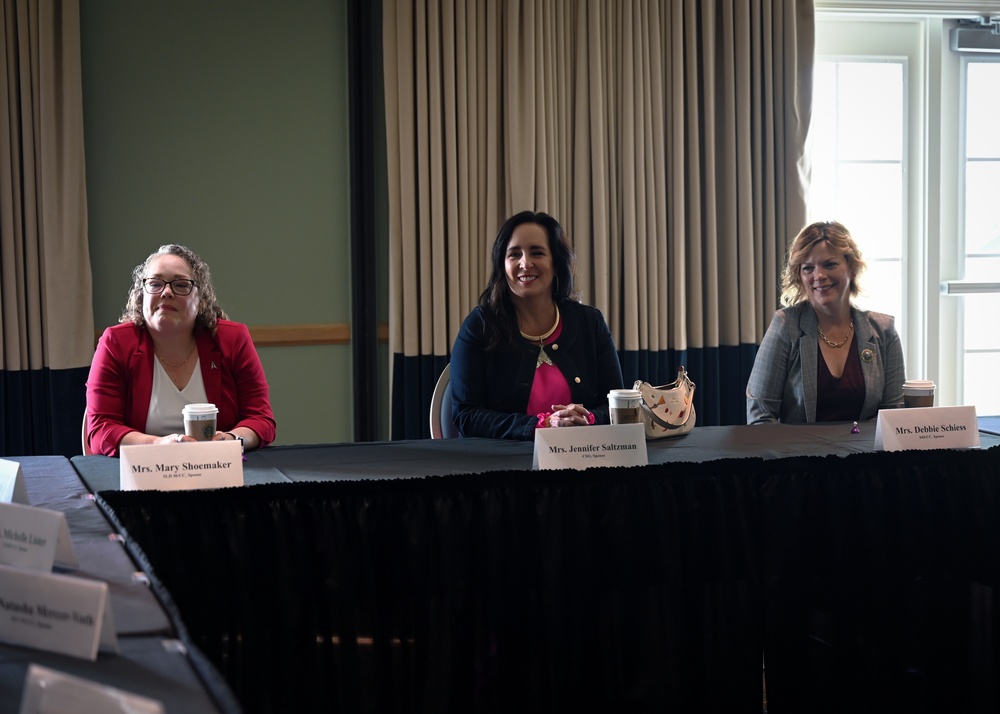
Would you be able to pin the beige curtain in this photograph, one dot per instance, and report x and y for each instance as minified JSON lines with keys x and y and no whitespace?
{"x":666,"y":136}
{"x":46,"y":315}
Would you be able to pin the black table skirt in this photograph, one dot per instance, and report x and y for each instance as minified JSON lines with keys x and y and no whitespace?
{"x":866,"y":582}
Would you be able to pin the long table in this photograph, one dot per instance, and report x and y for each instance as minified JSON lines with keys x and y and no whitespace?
{"x":153,"y":661}
{"x":446,"y":576}
{"x":425,"y":457}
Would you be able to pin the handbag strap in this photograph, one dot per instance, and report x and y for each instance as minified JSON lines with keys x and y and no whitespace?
{"x":660,"y":422}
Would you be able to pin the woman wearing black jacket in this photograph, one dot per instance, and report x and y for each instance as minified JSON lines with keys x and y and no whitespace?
{"x":530,"y":355}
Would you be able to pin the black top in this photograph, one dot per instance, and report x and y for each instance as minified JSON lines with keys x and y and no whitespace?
{"x":840,"y":398}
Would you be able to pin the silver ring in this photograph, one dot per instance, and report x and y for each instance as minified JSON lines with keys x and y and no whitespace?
{"x":177,"y":438}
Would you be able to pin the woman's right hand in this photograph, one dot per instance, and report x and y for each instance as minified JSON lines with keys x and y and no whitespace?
{"x":173,"y":439}
{"x":570,"y":415}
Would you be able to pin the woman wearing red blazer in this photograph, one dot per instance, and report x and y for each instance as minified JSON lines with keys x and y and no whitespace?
{"x":174,"y":346}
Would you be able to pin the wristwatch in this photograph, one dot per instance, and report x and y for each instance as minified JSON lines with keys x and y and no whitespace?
{"x":238,"y":438}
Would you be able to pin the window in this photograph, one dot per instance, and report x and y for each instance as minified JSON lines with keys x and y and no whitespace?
{"x":858,"y":133}
{"x":981,"y":342}
{"x":905,"y":153}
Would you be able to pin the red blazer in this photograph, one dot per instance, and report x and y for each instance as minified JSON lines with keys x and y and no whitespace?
{"x":121,"y":383}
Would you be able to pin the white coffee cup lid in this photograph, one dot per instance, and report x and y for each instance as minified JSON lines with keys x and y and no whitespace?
{"x":918,"y":384}
{"x":625,"y":394}
{"x":200,"y":410}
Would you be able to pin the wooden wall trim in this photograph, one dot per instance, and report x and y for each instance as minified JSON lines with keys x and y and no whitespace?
{"x":317,"y":334}
{"x":291,"y":335}
{"x":334,"y":333}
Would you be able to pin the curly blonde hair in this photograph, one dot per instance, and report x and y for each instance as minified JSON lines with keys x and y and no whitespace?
{"x":840,"y":241}
{"x":209,"y":310}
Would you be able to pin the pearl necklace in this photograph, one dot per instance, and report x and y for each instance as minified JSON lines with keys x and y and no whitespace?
{"x":850,"y":331}
{"x":543,"y":358}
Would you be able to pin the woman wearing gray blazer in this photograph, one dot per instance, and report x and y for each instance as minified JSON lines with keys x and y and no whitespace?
{"x":822,"y":359}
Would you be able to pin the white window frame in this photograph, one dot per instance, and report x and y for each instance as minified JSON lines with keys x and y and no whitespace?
{"x":853,"y":38}
{"x":931,"y":325}
{"x":954,"y":305}
{"x":945,"y":139}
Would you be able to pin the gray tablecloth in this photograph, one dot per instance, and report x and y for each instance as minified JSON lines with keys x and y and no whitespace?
{"x":425,"y":457}
{"x":150,"y":662}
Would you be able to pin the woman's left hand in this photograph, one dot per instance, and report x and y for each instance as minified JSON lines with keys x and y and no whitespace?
{"x":570,"y":415}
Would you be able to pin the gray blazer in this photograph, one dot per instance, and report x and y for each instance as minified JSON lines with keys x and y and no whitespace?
{"x":782,"y":385}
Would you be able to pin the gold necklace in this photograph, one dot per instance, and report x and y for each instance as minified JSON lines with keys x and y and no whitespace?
{"x":543,"y":358}
{"x":850,"y":331}
{"x":171,"y":364}
{"x":540,"y":339}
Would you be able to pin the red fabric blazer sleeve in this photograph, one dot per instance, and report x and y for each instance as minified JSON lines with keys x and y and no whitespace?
{"x":121,"y":381}
{"x":234,"y":380}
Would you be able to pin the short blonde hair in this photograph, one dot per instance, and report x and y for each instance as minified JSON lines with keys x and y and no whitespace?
{"x":840,"y":241}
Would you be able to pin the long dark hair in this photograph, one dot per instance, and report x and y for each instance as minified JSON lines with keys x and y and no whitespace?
{"x":501,"y":316}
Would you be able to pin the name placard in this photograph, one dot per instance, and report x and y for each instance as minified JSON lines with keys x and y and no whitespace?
{"x":55,"y":613}
{"x":12,"y":488}
{"x":34,"y":538}
{"x":927,"y":428}
{"x":181,"y":467}
{"x":47,"y":691}
{"x":586,"y":447}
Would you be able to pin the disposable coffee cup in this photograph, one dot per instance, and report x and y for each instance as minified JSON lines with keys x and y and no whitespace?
{"x":918,"y":393}
{"x":199,"y":421}
{"x":625,"y":406}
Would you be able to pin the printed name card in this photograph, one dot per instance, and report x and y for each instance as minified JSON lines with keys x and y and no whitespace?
{"x":12,"y":488}
{"x":927,"y":428}
{"x":34,"y":538}
{"x":181,"y":467}
{"x":586,"y":447}
{"x":47,"y":691}
{"x":55,"y":613}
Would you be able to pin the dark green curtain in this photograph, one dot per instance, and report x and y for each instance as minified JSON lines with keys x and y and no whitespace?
{"x":720,"y":375}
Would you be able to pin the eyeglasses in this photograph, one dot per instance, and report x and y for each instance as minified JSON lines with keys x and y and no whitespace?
{"x":180,"y":286}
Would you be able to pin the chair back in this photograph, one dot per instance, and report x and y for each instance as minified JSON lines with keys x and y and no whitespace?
{"x":83,"y":436}
{"x":442,"y":426}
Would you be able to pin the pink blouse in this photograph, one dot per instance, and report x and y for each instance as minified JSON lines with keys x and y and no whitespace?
{"x":549,"y":386}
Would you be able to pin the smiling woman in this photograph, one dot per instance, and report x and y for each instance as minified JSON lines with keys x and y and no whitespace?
{"x":174,"y":347}
{"x":530,"y":355}
{"x":823,"y":359}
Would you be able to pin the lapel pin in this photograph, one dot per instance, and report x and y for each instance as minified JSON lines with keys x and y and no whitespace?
{"x":867,"y":355}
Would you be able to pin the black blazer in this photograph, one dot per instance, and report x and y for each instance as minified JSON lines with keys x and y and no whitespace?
{"x":490,"y":389}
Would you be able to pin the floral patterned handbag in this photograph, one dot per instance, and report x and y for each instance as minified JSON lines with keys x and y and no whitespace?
{"x":668,"y":410}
